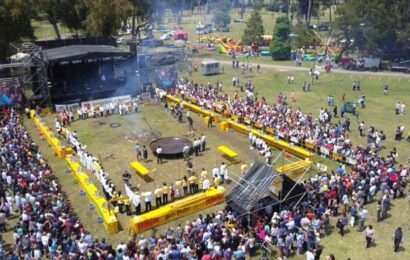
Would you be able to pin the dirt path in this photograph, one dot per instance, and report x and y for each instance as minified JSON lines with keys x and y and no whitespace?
{"x":340,"y":71}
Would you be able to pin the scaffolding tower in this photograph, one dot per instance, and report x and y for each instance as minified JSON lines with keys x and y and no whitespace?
{"x":33,"y":71}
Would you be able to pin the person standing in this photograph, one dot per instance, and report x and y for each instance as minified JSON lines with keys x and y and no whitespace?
{"x":144,"y":153}
{"x":147,"y":199}
{"x":193,"y":184}
{"x":185,"y":151}
{"x":370,"y":236}
{"x":310,"y":255}
{"x":189,"y":167}
{"x":178,"y":188}
{"x":362,"y":218}
{"x":165,"y":192}
{"x":222,"y":171}
{"x":397,"y":238}
{"x":210,"y":120}
{"x":138,"y":151}
{"x":158,"y":197}
{"x":136,"y":201}
{"x":185,"y":185}
{"x":386,"y":90}
{"x":341,"y":224}
{"x":204,"y":174}
{"x":196,"y":146}
{"x":361,"y":128}
{"x":159,"y":154}
{"x":203,"y":143}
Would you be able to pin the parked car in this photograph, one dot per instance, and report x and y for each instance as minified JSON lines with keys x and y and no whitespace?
{"x":401,"y":66}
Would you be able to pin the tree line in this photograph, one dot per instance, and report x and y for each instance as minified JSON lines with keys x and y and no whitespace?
{"x":372,"y":27}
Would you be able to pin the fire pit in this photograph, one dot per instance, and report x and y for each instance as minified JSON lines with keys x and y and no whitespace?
{"x":171,"y":146}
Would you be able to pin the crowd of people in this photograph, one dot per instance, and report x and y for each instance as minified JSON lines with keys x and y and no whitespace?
{"x":66,"y":116}
{"x":47,"y":226}
{"x":373,"y":177}
{"x":328,"y":137}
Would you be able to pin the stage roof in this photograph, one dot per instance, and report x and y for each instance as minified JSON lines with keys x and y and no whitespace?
{"x":75,"y":52}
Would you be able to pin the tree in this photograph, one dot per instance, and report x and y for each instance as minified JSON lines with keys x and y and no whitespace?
{"x":15,"y":24}
{"x":51,"y":9}
{"x":306,"y":9}
{"x":280,"y":45}
{"x":254,"y":29}
{"x":141,"y":10}
{"x":105,"y":16}
{"x":71,"y":13}
{"x":305,"y":36}
{"x":375,"y":27}
{"x":222,"y":17}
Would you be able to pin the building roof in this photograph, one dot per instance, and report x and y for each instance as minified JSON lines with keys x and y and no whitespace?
{"x":206,"y":62}
{"x":75,"y":52}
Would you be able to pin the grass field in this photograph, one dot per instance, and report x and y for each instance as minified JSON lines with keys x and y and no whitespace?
{"x":43,"y":30}
{"x":116,"y":152}
{"x":111,"y":145}
{"x":115,"y":147}
{"x":378,"y":113}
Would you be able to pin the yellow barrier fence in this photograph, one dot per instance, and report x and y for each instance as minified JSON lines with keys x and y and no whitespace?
{"x":101,"y":204}
{"x":244,"y":129}
{"x":295,"y":167}
{"x":109,"y":219}
{"x":177,"y":209}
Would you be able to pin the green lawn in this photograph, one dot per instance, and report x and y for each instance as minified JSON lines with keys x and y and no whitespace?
{"x":115,"y":147}
{"x":116,"y":152}
{"x":378,"y":113}
{"x":43,"y":30}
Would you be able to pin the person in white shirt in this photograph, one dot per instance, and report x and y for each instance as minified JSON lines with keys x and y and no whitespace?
{"x":203,"y":143}
{"x":158,"y":151}
{"x":223,"y":171}
{"x":185,"y":151}
{"x":215,"y":172}
{"x":402,"y":108}
{"x":147,"y":199}
{"x":206,"y":184}
{"x":310,"y":255}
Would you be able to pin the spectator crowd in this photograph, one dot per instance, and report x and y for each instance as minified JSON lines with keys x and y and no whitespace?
{"x":47,"y":227}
